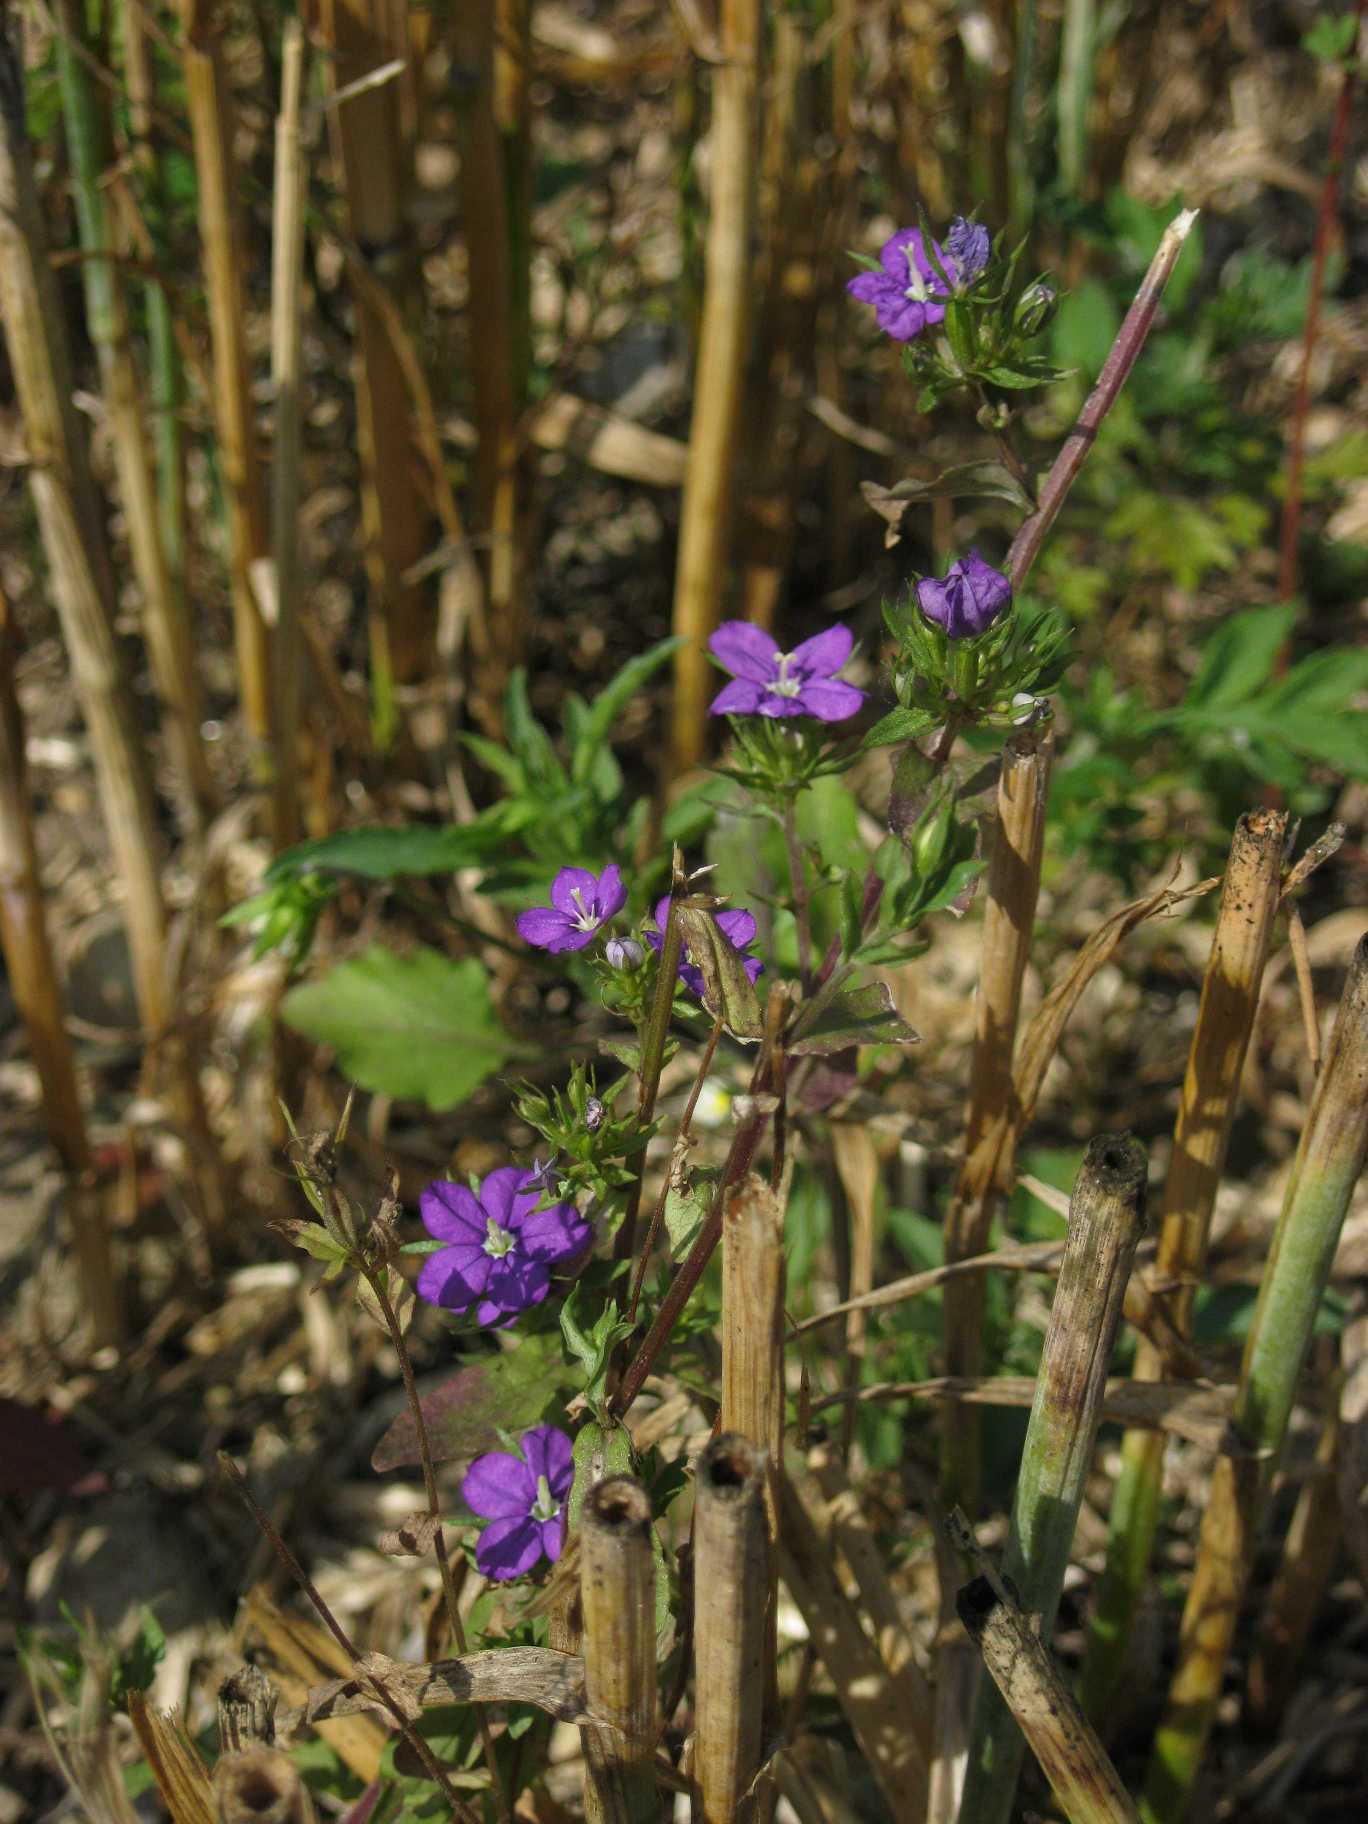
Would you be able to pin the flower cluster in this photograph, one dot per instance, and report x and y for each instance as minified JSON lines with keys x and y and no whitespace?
{"x":500,"y":1245}
{"x":907,"y":289}
{"x":523,"y":1499}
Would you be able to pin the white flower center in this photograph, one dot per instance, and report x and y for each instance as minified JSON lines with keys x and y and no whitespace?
{"x":546,"y":1507}
{"x":587,"y":919}
{"x":497,"y":1241}
{"x":920,"y":289}
{"x":784,"y":685}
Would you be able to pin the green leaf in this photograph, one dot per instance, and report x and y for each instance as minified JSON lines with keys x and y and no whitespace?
{"x":467,"y":1413}
{"x":1239,"y":656}
{"x":854,"y":1016}
{"x":315,"y":1240}
{"x":384,"y":853}
{"x":728,"y":991}
{"x":412,"y":1026}
{"x":1172,"y":536}
{"x":609,"y":704}
{"x":898,"y":725}
{"x":527,"y":738}
{"x":1331,"y":37}
{"x":985,"y":480}
{"x":1085,"y":327}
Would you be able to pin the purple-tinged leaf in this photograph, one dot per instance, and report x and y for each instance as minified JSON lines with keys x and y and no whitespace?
{"x":469,"y":1412}
{"x":854,"y":1016}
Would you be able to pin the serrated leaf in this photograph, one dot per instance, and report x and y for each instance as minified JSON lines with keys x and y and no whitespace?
{"x":855,"y":1016}
{"x":897,"y":725}
{"x":414,"y":1026}
{"x":383,"y":853}
{"x":466,"y":1414}
{"x":728,"y":991}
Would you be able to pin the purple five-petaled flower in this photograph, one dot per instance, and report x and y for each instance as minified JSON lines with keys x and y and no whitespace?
{"x":522,"y":1498}
{"x":500,"y":1245}
{"x":767,"y":682}
{"x":581,"y":903}
{"x":736,"y":925}
{"x":967,"y":600}
{"x":905,"y":293}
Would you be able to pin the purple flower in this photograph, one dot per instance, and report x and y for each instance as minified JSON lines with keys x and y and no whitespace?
{"x":969,"y":245}
{"x":767,"y":682}
{"x":580,"y":903}
{"x":521,"y":1497}
{"x":738,"y":927}
{"x":500,"y":1244}
{"x":967,"y":600}
{"x":904,"y":294}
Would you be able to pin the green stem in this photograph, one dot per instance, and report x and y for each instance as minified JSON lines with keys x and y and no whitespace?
{"x":1106,"y":1217}
{"x":802,"y":907}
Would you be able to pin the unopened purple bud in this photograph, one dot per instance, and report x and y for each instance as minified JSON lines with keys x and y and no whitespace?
{"x":624,"y":953}
{"x":967,"y":600}
{"x":594,"y":1111}
{"x":969,"y":245}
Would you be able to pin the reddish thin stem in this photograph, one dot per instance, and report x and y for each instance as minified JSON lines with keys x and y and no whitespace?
{"x":1326,"y":211}
{"x":1130,"y":339}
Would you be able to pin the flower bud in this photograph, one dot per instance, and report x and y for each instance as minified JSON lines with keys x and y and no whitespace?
{"x":594,"y":1111}
{"x":623,"y":953}
{"x":1035,"y":308}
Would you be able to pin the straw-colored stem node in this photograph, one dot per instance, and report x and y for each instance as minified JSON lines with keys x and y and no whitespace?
{"x":617,"y":1592}
{"x":1329,"y":1161}
{"x":1106,"y":1219}
{"x":731,"y":1580}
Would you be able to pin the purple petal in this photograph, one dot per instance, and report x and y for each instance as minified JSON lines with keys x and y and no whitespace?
{"x":497,"y":1194}
{"x":830,"y":700}
{"x":773,"y":705}
{"x":897,"y":254}
{"x":451,"y":1212}
{"x":499,"y":1484}
{"x":516,"y":1282}
{"x":753,"y":967}
{"x":903,"y":318}
{"x":737,"y":926}
{"x":553,"y":1536}
{"x":746,"y":650}
{"x":870,"y":287}
{"x":543,"y":927}
{"x":566,"y":884}
{"x":739,"y":697}
{"x":548,"y":1452}
{"x":508,"y":1549}
{"x":554,"y":1234}
{"x":610,"y":896}
{"x":453,"y":1278}
{"x":693,"y":979}
{"x":824,"y":653}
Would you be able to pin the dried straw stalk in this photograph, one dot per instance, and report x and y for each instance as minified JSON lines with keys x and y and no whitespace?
{"x":1225,"y":1020}
{"x":617,"y":1591}
{"x":1023,"y":1669}
{"x":169,"y":639}
{"x":42,"y":1007}
{"x":287,"y":271}
{"x":69,"y":524}
{"x":732,"y":1652}
{"x":489,"y":257}
{"x":253,"y":1782}
{"x":886,"y":1710}
{"x":1329,"y":1161}
{"x":370,"y":148}
{"x":1106,"y":1217}
{"x":166,"y":390}
{"x":209,"y":103}
{"x":852,"y":1534}
{"x":714,"y":436}
{"x":1012,"y":888}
